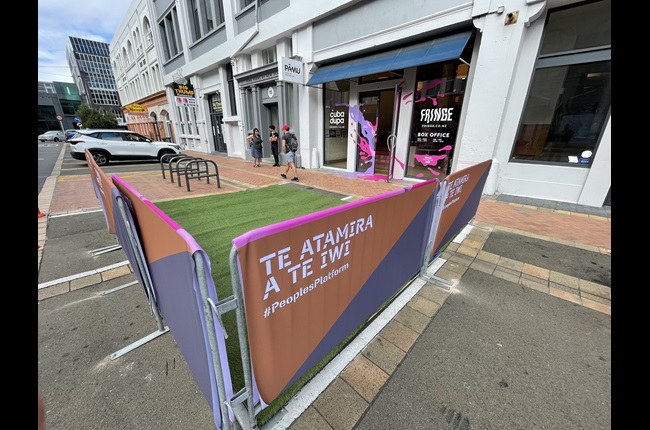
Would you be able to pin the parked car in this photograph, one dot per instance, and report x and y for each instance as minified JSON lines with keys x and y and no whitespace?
{"x":70,"y":133}
{"x":53,"y":135}
{"x":109,"y":145}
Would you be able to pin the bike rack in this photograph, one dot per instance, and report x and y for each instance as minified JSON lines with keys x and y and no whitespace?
{"x":173,"y":166}
{"x":165,"y":161}
{"x":197,"y":173}
{"x":179,"y":165}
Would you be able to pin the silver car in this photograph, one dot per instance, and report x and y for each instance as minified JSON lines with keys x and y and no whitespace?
{"x":107,"y":145}
{"x":52,"y":135}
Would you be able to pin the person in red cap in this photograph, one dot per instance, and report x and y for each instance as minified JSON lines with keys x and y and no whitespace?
{"x":289,"y":154}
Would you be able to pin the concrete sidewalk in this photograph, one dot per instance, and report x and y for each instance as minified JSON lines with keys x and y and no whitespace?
{"x":525,"y":273}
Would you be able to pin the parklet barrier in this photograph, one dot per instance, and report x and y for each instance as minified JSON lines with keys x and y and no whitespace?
{"x":300,"y":287}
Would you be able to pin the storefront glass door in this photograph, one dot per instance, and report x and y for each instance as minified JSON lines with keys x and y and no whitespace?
{"x":373,"y":131}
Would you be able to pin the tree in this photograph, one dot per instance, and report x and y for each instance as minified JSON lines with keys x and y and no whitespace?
{"x":95,"y":118}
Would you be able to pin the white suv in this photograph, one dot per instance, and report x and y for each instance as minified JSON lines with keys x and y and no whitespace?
{"x":107,"y":145}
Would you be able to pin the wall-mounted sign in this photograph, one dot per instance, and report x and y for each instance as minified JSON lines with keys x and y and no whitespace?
{"x":186,"y":101}
{"x":216,"y":105}
{"x":291,"y":70}
{"x":186,"y":90}
{"x":337,"y":117}
{"x":436,"y":124}
{"x":136,"y":108}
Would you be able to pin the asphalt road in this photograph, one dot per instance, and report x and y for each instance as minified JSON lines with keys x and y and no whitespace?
{"x":499,"y":355}
{"x":48,"y":153}
{"x":583,"y":264}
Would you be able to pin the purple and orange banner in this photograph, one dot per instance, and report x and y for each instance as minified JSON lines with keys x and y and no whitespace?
{"x":460,"y":203}
{"x":102,"y":185}
{"x":169,"y":252}
{"x":309,"y":282}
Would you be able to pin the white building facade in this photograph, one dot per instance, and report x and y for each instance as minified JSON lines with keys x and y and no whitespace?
{"x":400,"y":90}
{"x":138,"y":77}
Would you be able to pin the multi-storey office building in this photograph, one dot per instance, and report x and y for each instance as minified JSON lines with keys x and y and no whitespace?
{"x":90,"y":66}
{"x":394,"y":89}
{"x":57,"y":99}
{"x":139,"y":80}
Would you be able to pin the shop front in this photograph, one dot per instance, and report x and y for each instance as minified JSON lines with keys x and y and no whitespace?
{"x":261,"y":94}
{"x":395,"y":114}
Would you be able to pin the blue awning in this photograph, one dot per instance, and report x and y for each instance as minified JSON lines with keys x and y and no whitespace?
{"x":433,"y":51}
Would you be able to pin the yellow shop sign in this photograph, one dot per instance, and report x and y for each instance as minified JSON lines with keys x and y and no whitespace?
{"x":136,"y":108}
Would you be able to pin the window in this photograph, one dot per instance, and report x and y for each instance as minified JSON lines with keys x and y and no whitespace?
{"x":336,"y":120}
{"x":170,"y":33}
{"x":206,"y":15}
{"x":569,"y":100}
{"x":269,"y":56}
{"x":437,"y":103}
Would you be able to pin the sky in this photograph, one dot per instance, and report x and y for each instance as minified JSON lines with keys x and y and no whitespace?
{"x":58,"y":19}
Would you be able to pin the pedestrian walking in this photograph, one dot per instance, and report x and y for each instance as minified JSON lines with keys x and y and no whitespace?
{"x":256,"y":147}
{"x":289,"y":154}
{"x":274,"y":138}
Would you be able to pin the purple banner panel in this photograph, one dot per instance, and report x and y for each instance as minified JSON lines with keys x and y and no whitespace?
{"x":122,"y":228}
{"x":309,"y":282}
{"x":461,"y":200}
{"x":169,"y":253}
{"x":102,"y":185}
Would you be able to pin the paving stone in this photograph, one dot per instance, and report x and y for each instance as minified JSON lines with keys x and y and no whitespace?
{"x":561,"y":278}
{"x":488,"y":257}
{"x":600,"y":307}
{"x":434,"y":293}
{"x":452,"y":246}
{"x":574,"y":298}
{"x":595,"y":298}
{"x":310,"y":420}
{"x":566,"y":288}
{"x":86,"y":281}
{"x":474,"y":244}
{"x":385,"y":354}
{"x":413,"y":319}
{"x":483,"y":266}
{"x":424,"y":306}
{"x":467,"y":250}
{"x":340,"y":405}
{"x":454,"y":267}
{"x":511,"y":264}
{"x":400,"y":335}
{"x":534,"y":283}
{"x":508,"y":276}
{"x":53,"y":290}
{"x":595,"y":289}
{"x":461,"y":259}
{"x":365,"y":377}
{"x":537,"y":272}
{"x":116,"y":273}
{"x":448,"y":275}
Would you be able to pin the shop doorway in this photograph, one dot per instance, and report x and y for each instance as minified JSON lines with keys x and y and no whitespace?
{"x":216,"y":122}
{"x":375,"y":146}
{"x":270,"y":117}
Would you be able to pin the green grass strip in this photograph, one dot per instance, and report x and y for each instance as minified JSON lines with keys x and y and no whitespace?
{"x":214,"y":221}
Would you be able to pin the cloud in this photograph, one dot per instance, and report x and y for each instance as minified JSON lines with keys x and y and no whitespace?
{"x":58,"y":19}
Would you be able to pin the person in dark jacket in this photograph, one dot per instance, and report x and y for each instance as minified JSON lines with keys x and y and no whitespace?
{"x":256,"y":146}
{"x":274,"y":138}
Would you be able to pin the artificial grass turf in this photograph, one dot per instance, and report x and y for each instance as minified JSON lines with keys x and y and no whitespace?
{"x":214,"y":221}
